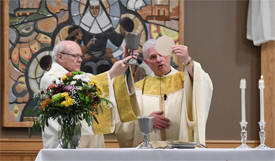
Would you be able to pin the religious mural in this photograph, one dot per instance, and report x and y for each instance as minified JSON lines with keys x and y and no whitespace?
{"x":37,"y":25}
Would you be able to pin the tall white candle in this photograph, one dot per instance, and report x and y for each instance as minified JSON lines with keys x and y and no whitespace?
{"x":243,"y":86}
{"x":261,"y":87}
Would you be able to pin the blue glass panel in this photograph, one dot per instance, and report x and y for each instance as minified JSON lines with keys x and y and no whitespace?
{"x":12,"y":97}
{"x":14,"y":4}
{"x":19,"y":116}
{"x":112,"y":1}
{"x":13,"y":35}
{"x":148,"y":2}
{"x":74,"y":8}
{"x":147,"y":28}
{"x":115,"y":10}
{"x":53,"y":2}
{"x":124,"y":2}
{"x":111,"y":46}
{"x":76,"y":20}
{"x":65,"y":2}
{"x":115,"y":21}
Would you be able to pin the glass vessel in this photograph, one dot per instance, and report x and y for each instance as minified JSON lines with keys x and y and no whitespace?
{"x":69,"y":133}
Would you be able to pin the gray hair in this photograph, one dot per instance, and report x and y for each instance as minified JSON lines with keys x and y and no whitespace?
{"x":147,"y":45}
{"x":57,"y":49}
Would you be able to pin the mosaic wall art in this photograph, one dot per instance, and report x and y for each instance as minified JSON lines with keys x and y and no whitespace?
{"x":35,"y":26}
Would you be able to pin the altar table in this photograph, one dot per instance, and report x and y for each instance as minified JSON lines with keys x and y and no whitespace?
{"x":133,"y":154}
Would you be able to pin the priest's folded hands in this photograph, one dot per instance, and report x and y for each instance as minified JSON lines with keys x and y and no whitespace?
{"x":160,"y":121}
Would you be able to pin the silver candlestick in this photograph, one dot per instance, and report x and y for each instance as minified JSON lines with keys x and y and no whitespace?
{"x":243,"y":135}
{"x":262,"y":135}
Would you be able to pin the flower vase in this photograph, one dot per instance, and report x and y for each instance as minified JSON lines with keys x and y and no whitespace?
{"x":70,"y":133}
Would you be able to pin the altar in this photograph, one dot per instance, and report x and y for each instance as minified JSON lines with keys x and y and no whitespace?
{"x":133,"y":154}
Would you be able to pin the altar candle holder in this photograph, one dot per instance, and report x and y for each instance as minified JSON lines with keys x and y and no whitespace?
{"x":262,"y":122}
{"x":243,"y":123}
{"x":243,"y":135}
{"x":262,"y":135}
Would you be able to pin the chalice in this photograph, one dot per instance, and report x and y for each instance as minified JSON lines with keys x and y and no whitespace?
{"x":132,"y":42}
{"x":146,"y":127}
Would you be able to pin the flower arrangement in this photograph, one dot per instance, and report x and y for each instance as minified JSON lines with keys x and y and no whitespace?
{"x":72,"y":98}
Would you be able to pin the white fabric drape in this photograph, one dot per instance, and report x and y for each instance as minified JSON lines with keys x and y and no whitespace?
{"x":261,"y":21}
{"x":133,"y":154}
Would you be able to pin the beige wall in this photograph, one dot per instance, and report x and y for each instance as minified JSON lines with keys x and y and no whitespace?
{"x":215,"y":32}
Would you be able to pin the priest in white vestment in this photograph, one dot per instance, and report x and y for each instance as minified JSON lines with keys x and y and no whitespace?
{"x":67,"y":56}
{"x":179,"y":101}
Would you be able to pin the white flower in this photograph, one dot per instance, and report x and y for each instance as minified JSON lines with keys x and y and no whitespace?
{"x":78,"y":87}
{"x":77,"y":76}
{"x":58,"y":81}
{"x":82,"y":77}
{"x":73,"y":83}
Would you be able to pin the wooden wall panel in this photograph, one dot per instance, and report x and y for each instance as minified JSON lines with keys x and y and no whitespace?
{"x":268,"y":71}
{"x":19,"y":149}
{"x":230,"y":143}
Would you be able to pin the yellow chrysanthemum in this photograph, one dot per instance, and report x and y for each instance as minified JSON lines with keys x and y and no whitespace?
{"x":89,"y":83}
{"x":71,"y":101}
{"x":64,"y":103}
{"x":64,"y":94}
{"x":95,"y":82}
{"x":64,"y":77}
{"x":68,"y":101}
{"x":99,"y":89}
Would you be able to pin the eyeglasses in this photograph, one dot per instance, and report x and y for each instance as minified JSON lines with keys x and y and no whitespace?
{"x":74,"y":56}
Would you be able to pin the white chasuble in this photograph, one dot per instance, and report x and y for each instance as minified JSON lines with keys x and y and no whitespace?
{"x":185,"y":103}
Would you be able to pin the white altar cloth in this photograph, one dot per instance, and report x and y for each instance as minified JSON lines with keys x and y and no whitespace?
{"x":133,"y":154}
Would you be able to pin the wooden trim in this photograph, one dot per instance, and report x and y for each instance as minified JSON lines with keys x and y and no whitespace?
{"x":34,"y":145}
{"x":4,"y":58}
{"x":230,"y":143}
{"x":5,"y":69}
{"x":20,"y":145}
{"x":19,"y":149}
{"x":267,"y":70}
{"x":181,"y":31}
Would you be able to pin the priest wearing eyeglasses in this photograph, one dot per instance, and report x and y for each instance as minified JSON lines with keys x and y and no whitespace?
{"x":67,"y":57}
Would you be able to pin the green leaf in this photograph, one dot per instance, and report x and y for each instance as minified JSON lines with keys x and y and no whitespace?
{"x":94,"y":117}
